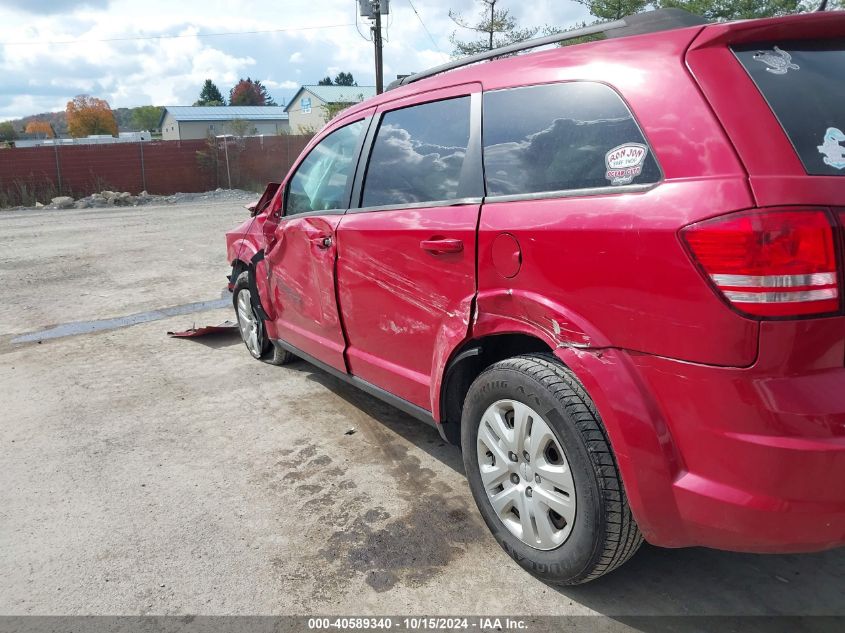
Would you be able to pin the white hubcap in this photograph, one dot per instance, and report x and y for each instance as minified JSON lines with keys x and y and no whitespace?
{"x":248,"y":323}
{"x":526,"y":474}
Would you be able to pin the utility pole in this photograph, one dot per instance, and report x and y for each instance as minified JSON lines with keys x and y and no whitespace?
{"x":378,"y":46}
{"x":374,"y":9}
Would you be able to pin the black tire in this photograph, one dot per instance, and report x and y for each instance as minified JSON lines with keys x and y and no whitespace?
{"x":267,"y":352}
{"x":604,"y":534}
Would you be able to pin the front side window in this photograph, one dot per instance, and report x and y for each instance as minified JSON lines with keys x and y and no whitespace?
{"x":558,"y":137}
{"x":418,"y":154}
{"x":319,"y":183}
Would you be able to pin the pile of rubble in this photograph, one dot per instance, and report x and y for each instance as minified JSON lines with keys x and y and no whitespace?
{"x":126,"y":199}
{"x":102,"y":199}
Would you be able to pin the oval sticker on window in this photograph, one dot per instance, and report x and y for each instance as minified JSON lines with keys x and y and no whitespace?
{"x":624,"y":163}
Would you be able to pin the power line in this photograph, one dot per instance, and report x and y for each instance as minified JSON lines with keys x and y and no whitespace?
{"x":173,"y":37}
{"x":425,"y":28}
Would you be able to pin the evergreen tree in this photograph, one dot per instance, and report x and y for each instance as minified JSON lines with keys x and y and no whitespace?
{"x":496,"y":26}
{"x":210,"y":95}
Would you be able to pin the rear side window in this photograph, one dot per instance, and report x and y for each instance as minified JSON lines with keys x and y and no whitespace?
{"x":804,"y":84}
{"x":558,"y":137}
{"x":418,"y":154}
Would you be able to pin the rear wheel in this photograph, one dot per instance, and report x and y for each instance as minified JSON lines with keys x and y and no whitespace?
{"x":251,"y":325}
{"x":542,"y":471}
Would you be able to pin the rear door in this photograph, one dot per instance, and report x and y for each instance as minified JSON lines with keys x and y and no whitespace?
{"x":406,"y":255}
{"x":301,"y":246}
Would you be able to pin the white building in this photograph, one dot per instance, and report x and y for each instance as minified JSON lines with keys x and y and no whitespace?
{"x":182,"y":123}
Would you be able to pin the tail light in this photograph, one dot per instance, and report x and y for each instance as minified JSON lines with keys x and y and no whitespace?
{"x":773,"y":263}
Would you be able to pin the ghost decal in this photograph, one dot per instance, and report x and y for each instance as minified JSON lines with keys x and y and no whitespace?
{"x":832,"y":150}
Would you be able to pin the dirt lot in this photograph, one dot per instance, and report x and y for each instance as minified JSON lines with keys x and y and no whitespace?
{"x":147,"y":475}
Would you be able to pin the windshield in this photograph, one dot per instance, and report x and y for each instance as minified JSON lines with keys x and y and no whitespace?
{"x":804,"y":84}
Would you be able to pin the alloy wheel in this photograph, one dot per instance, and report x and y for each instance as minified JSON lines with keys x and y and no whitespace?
{"x":249,"y":323}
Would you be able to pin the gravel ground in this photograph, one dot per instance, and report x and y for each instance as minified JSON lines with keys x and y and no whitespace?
{"x":148,"y":475}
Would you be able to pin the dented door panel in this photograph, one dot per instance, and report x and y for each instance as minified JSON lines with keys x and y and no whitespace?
{"x":404,"y":306}
{"x":300,"y":263}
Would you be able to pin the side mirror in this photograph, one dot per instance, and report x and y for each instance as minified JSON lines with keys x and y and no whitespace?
{"x":264,"y":201}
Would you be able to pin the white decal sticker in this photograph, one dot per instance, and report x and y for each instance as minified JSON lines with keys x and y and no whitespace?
{"x":624,"y":163}
{"x":834,"y":153}
{"x":778,"y":62}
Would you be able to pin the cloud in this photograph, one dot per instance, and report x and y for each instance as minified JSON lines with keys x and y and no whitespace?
{"x":52,"y":6}
{"x":41,"y":74}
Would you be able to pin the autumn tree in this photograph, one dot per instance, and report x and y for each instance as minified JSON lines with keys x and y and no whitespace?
{"x":146,"y":117}
{"x":7,"y":131}
{"x":210,"y":95}
{"x":250,"y":93}
{"x":88,"y":115}
{"x":40,"y":129}
{"x":496,"y":28}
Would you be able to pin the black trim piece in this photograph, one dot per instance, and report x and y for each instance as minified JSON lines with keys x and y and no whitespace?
{"x":364,"y":161}
{"x":255,"y":298}
{"x":403,"y":405}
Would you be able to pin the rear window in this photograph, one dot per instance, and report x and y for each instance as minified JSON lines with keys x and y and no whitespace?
{"x":560,"y":137}
{"x":804,"y":84}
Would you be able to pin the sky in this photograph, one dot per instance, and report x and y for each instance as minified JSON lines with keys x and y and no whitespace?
{"x":52,"y":50}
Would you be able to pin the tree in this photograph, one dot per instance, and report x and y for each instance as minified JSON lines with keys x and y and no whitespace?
{"x":146,"y":117}
{"x":714,"y":10}
{"x":250,"y":93}
{"x":722,"y":10}
{"x":497,"y":27}
{"x":344,"y":79}
{"x":331,"y":110}
{"x":240,"y":127}
{"x":210,"y":95}
{"x":325,"y":81}
{"x":615,"y":9}
{"x":88,"y":115}
{"x":7,"y":131}
{"x":40,"y":129}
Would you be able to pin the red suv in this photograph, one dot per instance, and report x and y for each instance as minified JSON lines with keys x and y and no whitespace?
{"x":611,"y":272}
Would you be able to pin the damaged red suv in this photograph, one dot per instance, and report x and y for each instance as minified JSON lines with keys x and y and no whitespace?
{"x":611,"y":272}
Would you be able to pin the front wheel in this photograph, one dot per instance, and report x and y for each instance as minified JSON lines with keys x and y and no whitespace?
{"x":251,"y":325}
{"x":542,"y":472}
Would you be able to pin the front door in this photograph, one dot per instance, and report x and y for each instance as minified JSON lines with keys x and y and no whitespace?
{"x":406,"y":258}
{"x":302,"y":247}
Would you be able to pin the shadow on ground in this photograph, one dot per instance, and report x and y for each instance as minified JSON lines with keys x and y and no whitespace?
{"x":657,"y":581}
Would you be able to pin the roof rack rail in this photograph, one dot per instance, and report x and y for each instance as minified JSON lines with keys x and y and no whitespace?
{"x":637,"y":24}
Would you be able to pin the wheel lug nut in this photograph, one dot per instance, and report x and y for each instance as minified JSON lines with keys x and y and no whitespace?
{"x":515,"y":478}
{"x":526,"y":456}
{"x":512,"y":456}
{"x":537,"y":478}
{"x":528,"y":492}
